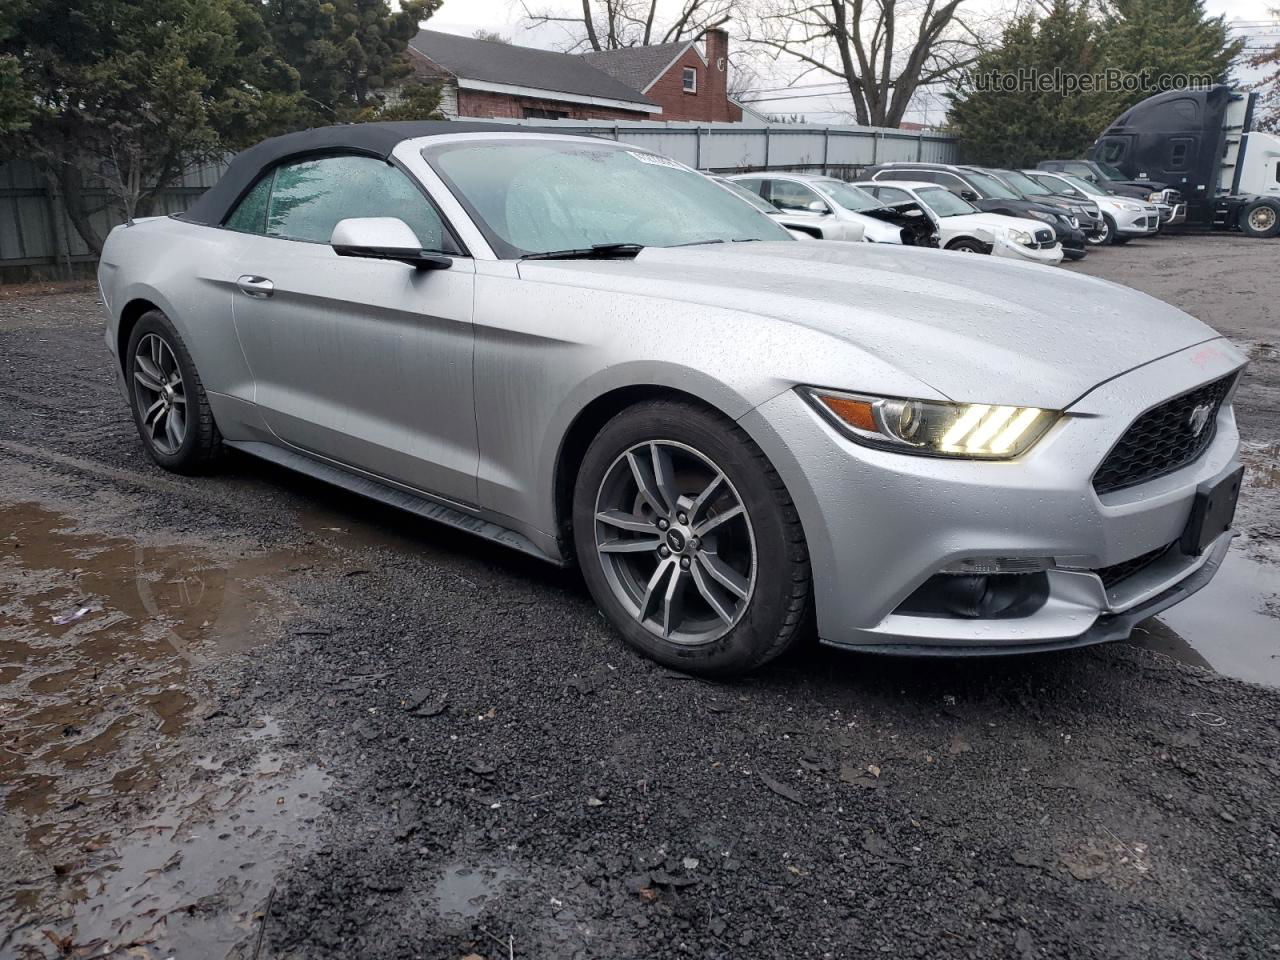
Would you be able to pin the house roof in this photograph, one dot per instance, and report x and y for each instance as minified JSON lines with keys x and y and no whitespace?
{"x":638,"y":67}
{"x":489,"y":61}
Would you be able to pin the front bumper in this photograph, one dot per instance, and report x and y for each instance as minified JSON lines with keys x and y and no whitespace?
{"x":1016,"y":251}
{"x":880,"y":524}
{"x":1138,"y":223}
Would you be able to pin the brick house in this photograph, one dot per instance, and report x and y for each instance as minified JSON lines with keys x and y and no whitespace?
{"x":668,"y":81}
{"x":686,"y":82}
{"x":484,"y":78}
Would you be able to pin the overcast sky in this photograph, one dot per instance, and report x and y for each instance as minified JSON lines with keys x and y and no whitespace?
{"x":508,"y":18}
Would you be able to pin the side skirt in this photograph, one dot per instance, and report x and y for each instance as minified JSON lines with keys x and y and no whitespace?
{"x":420,"y":504}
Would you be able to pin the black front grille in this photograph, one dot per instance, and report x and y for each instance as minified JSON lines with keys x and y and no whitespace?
{"x":1124,"y":570}
{"x":1044,"y":236}
{"x":1163,"y":439}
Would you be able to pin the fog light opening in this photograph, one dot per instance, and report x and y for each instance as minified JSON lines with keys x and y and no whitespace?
{"x":994,"y":596}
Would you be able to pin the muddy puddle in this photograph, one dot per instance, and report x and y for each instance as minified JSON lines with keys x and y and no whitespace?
{"x":120,"y":834}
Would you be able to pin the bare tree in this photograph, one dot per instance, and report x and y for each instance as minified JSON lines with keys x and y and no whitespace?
{"x":612,"y":24}
{"x":493,"y":36}
{"x":883,"y":51}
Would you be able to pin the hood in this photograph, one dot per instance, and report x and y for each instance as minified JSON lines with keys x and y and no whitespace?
{"x":979,"y":329}
{"x":992,"y":222}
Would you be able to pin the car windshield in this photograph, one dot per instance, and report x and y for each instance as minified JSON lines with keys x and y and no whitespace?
{"x":1113,"y":173}
{"x":545,"y":196}
{"x":1024,"y":184}
{"x":1080,"y":183}
{"x":944,"y":203}
{"x":757,"y":201}
{"x":848,"y":196}
{"x":989,"y":186}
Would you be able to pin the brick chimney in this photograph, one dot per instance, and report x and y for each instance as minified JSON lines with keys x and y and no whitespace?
{"x":717,"y":48}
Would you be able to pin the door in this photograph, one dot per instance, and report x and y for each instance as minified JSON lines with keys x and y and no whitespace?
{"x":800,"y":201}
{"x":366,"y":362}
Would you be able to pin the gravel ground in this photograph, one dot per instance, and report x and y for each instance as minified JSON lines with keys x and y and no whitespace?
{"x":290,"y":724}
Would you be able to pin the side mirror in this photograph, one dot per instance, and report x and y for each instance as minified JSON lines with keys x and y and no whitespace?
{"x":817,"y":206}
{"x":384,"y":238}
{"x":969,"y":195}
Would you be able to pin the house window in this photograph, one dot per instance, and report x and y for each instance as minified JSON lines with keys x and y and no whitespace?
{"x":537,"y":113}
{"x":690,"y":80}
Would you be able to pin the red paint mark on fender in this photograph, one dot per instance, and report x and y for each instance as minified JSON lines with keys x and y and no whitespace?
{"x":1205,"y":354}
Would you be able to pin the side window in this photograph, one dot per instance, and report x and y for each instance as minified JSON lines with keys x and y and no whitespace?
{"x":309,"y":197}
{"x":754,"y":185}
{"x":1079,"y":169}
{"x":1112,"y":151}
{"x":1179,"y":152}
{"x":787,"y":195}
{"x":924,"y":176}
{"x":954,"y":184}
{"x":250,"y":214}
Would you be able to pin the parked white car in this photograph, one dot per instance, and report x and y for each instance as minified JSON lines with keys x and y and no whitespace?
{"x":1125,"y":217}
{"x":797,"y":225}
{"x":831,"y":209}
{"x":966,"y":229}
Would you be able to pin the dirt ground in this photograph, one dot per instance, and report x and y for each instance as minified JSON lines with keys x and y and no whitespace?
{"x":249,"y":716}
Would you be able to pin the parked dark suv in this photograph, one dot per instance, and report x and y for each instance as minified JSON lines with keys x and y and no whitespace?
{"x":1084,"y":210}
{"x":989,"y":195}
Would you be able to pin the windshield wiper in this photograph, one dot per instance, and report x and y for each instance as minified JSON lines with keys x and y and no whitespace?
{"x":598,"y":251}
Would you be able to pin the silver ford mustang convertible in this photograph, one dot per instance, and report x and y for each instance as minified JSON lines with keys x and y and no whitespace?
{"x":593,"y":354}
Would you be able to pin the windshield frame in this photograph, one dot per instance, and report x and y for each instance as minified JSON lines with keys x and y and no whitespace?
{"x":980,"y":179}
{"x":504,"y":249}
{"x":922,"y":197}
{"x":1014,"y":179}
{"x":825,"y":185}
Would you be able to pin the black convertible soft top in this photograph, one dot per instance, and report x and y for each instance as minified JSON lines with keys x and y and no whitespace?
{"x":370,"y":139}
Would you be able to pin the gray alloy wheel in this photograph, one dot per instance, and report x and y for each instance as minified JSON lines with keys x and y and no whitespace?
{"x":675,"y":542}
{"x":160,"y":393}
{"x":1101,"y":239}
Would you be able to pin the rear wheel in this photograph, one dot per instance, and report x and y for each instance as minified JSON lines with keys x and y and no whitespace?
{"x":1260,"y":219}
{"x":170,"y":408}
{"x":688,"y":540}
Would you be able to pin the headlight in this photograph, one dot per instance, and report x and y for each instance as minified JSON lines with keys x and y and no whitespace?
{"x":1073,"y":221}
{"x":974,"y":431}
{"x":1155,"y":196}
{"x":1130,"y":205}
{"x":1020,"y":236}
{"x":1040,"y":215}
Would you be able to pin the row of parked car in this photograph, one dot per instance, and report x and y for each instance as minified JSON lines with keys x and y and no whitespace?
{"x":1058,"y":210}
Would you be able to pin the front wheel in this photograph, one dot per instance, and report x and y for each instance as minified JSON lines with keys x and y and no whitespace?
{"x":1102,"y":237}
{"x":688,"y":540}
{"x":967,"y":246}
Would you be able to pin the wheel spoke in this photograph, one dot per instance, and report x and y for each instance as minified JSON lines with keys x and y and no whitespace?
{"x":645,"y":485}
{"x":663,"y":476}
{"x":705,"y":497}
{"x":653,"y":590}
{"x":704,"y":588}
{"x":723,"y":574}
{"x":154,"y":377}
{"x":673,"y":601}
{"x":179,"y":421}
{"x":171,"y":430}
{"x":639,"y":545}
{"x":153,"y":413}
{"x":706,"y":526}
{"x":625,"y":521}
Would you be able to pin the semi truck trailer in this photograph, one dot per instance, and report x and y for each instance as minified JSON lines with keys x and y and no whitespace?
{"x":1202,"y":143}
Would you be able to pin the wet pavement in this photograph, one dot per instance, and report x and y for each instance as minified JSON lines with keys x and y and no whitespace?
{"x":248,"y":715}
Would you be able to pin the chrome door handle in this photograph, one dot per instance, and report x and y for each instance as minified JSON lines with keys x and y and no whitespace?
{"x":258,"y":287}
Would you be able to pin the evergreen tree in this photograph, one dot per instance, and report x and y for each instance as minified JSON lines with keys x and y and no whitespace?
{"x":1163,"y":40}
{"x":133,"y":92}
{"x":350,"y":54}
{"x":1022,"y":125}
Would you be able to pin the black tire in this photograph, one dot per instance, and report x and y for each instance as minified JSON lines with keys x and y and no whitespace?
{"x":772,"y":617}
{"x":1260,"y":219}
{"x":965,"y":245}
{"x":1116,"y":239}
{"x":201,"y":443}
{"x":1075,"y":254}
